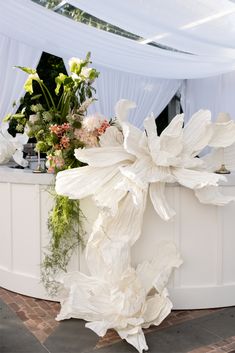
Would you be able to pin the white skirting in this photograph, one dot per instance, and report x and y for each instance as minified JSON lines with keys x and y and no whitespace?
{"x":204,"y":234}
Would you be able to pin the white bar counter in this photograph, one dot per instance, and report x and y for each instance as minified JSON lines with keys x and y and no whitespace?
{"x":205,"y":236}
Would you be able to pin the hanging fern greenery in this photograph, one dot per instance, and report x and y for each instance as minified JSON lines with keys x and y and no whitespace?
{"x":66,"y":231}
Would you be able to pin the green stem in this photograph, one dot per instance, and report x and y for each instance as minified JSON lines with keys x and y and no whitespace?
{"x":48,"y":92}
{"x":44,"y":94}
{"x":60,"y":101}
{"x":65,"y":105}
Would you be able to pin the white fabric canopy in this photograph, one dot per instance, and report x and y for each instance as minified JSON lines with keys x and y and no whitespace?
{"x":61,"y":36}
{"x":200,"y":27}
{"x":14,"y":53}
{"x":148,"y":75}
{"x":214,"y":93}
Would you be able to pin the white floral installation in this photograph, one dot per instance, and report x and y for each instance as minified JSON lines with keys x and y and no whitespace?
{"x":12,"y":147}
{"x":129,"y":164}
{"x":223,"y":153}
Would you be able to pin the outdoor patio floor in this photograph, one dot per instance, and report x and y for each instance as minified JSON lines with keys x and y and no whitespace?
{"x":28,"y":325}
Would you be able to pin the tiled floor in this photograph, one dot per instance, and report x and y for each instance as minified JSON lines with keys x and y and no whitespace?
{"x":194,"y":331}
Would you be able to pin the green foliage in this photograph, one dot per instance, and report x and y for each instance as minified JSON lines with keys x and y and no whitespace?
{"x":65,"y":225}
{"x":27,"y":69}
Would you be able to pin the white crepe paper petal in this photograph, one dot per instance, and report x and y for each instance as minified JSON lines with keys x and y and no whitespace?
{"x":157,"y":272}
{"x":102,"y":157}
{"x":158,"y":307}
{"x":211,"y":195}
{"x":12,"y":146}
{"x":21,"y":139}
{"x":122,"y":108}
{"x":197,"y":132}
{"x":138,"y":341}
{"x":150,"y":126}
{"x":6,"y":150}
{"x":135,"y":141}
{"x":194,"y":179}
{"x":171,"y":137}
{"x":108,"y":196}
{"x":112,"y":137}
{"x":78,"y":183}
{"x":157,"y":195}
{"x":223,"y":134}
{"x":128,"y":186}
{"x":18,"y":158}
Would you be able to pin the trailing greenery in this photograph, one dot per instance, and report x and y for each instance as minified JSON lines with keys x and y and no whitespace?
{"x":65,"y":226}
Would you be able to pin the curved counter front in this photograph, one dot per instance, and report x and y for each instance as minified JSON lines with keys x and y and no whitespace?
{"x":204,"y":235}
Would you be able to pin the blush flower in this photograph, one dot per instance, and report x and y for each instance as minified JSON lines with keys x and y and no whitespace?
{"x":101,"y":130}
{"x":93,"y":122}
{"x":65,"y":142}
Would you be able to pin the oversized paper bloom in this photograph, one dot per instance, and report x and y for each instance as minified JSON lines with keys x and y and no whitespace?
{"x":128,"y":164}
{"x":12,"y":147}
{"x":172,"y":157}
{"x":148,"y":161}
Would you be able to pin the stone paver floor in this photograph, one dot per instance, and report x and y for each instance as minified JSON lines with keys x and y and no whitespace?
{"x":31,"y":322}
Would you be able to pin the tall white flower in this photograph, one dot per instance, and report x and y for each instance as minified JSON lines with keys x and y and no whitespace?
{"x":75,"y":64}
{"x":12,"y":146}
{"x":85,"y":72}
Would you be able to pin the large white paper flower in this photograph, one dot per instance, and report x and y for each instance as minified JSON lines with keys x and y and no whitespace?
{"x":12,"y":147}
{"x":149,"y":161}
{"x":172,"y":157}
{"x":128,"y":164}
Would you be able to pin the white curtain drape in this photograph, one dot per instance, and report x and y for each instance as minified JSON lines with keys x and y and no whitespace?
{"x":14,"y":53}
{"x":214,"y":93}
{"x":200,"y":27}
{"x":156,"y":72}
{"x":62,"y":36}
{"x":149,"y":94}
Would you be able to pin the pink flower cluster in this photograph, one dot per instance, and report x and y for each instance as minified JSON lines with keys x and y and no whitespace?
{"x":54,"y":162}
{"x":65,"y":142}
{"x":104,"y":125}
{"x":59,"y":130}
{"x":88,"y":138}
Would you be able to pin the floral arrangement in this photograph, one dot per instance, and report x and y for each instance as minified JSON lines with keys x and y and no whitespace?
{"x":55,"y":126}
{"x":59,"y":129}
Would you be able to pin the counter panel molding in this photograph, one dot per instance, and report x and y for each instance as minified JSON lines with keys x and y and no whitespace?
{"x":205,"y":236}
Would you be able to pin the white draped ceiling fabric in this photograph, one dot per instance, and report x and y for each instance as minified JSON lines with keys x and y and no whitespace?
{"x":151,"y":95}
{"x":200,"y":27}
{"x":214,"y":93}
{"x":129,"y":69}
{"x":14,"y":53}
